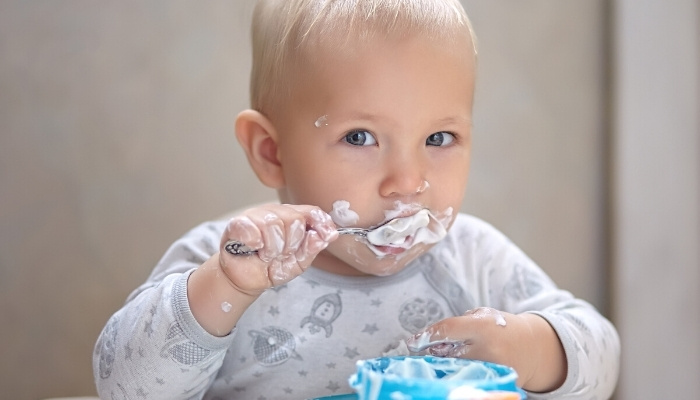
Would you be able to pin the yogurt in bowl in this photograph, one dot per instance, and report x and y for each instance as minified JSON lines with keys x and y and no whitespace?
{"x":433,"y":378}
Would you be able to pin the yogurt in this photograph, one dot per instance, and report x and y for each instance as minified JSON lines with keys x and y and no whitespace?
{"x":433,"y":378}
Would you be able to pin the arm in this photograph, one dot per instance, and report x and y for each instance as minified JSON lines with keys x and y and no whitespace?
{"x":170,"y":338}
{"x":153,"y":347}
{"x":561,"y":347}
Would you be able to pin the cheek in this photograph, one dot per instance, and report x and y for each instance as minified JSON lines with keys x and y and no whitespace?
{"x":447,"y":190}
{"x":315,"y":183}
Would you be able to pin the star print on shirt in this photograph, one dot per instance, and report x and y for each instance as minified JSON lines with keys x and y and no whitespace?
{"x":276,"y":289}
{"x":370,"y":329}
{"x":351,"y":353}
{"x":149,"y":328}
{"x":313,"y":284}
{"x":333,"y":386}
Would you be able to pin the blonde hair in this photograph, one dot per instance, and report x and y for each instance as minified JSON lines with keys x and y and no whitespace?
{"x":284,"y":31}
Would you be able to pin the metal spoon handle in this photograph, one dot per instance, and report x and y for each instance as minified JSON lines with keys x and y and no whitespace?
{"x":238,"y":248}
{"x":353,"y":231}
{"x":241,"y":249}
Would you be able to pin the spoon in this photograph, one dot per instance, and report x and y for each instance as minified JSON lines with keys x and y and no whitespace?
{"x":380,"y":235}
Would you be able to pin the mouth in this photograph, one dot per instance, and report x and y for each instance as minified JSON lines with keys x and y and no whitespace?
{"x":394,"y":248}
{"x":396,"y":231}
{"x":397,"y":235}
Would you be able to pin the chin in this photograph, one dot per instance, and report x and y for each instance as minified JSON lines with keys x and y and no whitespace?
{"x":377,"y":261}
{"x":392,"y":262}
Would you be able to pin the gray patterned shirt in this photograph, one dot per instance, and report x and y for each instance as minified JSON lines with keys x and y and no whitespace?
{"x":301,"y":340}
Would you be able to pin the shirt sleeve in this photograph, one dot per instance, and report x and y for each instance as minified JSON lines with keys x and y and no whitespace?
{"x":153,"y":347}
{"x":506,"y":279}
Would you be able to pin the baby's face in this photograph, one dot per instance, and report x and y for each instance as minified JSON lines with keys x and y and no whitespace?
{"x":385,"y":132}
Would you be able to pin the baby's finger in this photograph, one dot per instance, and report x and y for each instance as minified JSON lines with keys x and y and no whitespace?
{"x":272,"y":228}
{"x":310,"y":247}
{"x":296,"y":231}
{"x":455,"y":350}
{"x":322,"y":223}
{"x":441,"y":334}
{"x":242,"y":230}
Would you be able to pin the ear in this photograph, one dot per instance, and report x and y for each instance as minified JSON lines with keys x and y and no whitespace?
{"x":258,"y":137}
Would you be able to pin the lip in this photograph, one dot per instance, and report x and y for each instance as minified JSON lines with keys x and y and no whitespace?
{"x":395,"y":249}
{"x":389,"y":250}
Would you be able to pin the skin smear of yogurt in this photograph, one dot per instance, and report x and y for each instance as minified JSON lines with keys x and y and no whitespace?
{"x":487,"y":312}
{"x":342,"y":215}
{"x":321,"y":121}
{"x":423,"y":187}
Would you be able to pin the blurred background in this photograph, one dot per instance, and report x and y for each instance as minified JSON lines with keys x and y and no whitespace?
{"x":116,"y":137}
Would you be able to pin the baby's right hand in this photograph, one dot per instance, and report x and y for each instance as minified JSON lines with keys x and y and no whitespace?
{"x":287,"y":239}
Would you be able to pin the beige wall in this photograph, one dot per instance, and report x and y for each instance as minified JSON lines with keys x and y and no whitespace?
{"x":116,"y":136}
{"x":538,"y":168}
{"x":116,"y":124}
{"x":657,"y":197}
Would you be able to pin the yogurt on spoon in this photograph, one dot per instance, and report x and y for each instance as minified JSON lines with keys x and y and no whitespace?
{"x":402,"y":233}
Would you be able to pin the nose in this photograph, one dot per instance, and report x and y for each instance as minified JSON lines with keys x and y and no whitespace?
{"x":403,"y":176}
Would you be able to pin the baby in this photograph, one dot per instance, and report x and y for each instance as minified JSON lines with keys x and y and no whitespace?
{"x":361,"y":118}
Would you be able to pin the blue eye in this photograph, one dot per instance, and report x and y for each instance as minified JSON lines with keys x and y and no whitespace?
{"x":360,"y":138}
{"x":440,"y":139}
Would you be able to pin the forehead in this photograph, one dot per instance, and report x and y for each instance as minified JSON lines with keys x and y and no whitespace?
{"x":393,"y":80}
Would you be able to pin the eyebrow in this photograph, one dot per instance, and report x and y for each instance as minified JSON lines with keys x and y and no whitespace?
{"x":366,"y":116}
{"x":454,"y":120}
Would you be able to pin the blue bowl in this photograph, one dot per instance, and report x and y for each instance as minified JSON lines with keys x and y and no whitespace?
{"x":428,"y":378}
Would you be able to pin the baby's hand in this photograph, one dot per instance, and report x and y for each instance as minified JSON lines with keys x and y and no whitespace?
{"x":489,"y":335}
{"x":287,"y":239}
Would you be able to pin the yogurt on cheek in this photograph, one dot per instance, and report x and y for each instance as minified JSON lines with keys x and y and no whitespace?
{"x":342,"y":215}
